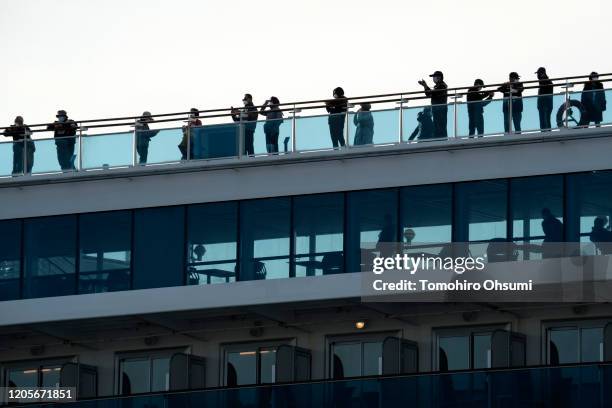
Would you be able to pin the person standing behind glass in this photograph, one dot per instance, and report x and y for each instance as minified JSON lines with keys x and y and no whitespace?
{"x":192,"y":121}
{"x":425,"y":128}
{"x":18,"y":131}
{"x":439,"y":108}
{"x":477,"y":100}
{"x":63,"y":130}
{"x":337,"y":108}
{"x":274,"y":118}
{"x":512,"y":89}
{"x":143,"y":136}
{"x":248,"y":114}
{"x":593,"y":99}
{"x":364,"y":122}
{"x":545,"y":98}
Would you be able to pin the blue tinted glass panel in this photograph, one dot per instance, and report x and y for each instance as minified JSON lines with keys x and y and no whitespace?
{"x":420,"y":122}
{"x":315,"y":132}
{"x":214,"y":141}
{"x":108,"y":150}
{"x":480,"y":118}
{"x":264,"y":238}
{"x":272,"y":136}
{"x":319,"y":234}
{"x":11,"y":158}
{"x":374,"y":127}
{"x":105,"y":251}
{"x":52,"y":156}
{"x":10,"y":259}
{"x":159,"y":247}
{"x":372,"y":219}
{"x":50,"y":252}
{"x":212,"y":243}
{"x":426,"y":214}
{"x":163,"y":146}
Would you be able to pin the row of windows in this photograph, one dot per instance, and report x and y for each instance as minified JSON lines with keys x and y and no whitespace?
{"x":349,"y":356}
{"x":289,"y":236}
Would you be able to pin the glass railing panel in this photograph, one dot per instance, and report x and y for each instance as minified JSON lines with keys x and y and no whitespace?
{"x":272,"y":136}
{"x":589,"y":108}
{"x":374,"y":127}
{"x":540,"y":112}
{"x":320,"y":132}
{"x":11,"y":158}
{"x":159,"y":145}
{"x":214,"y":141}
{"x":425,"y":123}
{"x":480,"y":118}
{"x":56,"y":155}
{"x":107,"y":150}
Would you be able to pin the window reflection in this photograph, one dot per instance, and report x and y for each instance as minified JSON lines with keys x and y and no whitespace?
{"x":10,"y":259}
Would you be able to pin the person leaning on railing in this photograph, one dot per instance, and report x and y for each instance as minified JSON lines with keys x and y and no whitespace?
{"x":439,"y":99}
{"x":477,"y":100}
{"x":248,"y":114}
{"x":18,"y":131}
{"x":64,"y":130}
{"x":274,"y":118}
{"x":143,"y":136}
{"x":192,"y":121}
{"x":512,"y":89}
{"x":337,"y":108}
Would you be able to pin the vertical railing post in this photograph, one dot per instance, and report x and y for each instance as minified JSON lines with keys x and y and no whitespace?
{"x":346,"y":125}
{"x":401,"y":120}
{"x":455,"y":127}
{"x":241,"y":138}
{"x":188,"y":137}
{"x":293,"y":119}
{"x":80,"y":161}
{"x":24,"y":161}
{"x":510,"y":127}
{"x":567,"y":103}
{"x":134,"y":154}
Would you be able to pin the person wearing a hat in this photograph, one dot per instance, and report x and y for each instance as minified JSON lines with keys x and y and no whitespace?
{"x":439,"y":108}
{"x":192,"y":122}
{"x":64,"y":130}
{"x":477,"y":100}
{"x":143,"y":136}
{"x":512,"y":91}
{"x":545,"y":98}
{"x":593,"y":100}
{"x":248,"y":115}
{"x":337,"y":108}
{"x":364,"y":125}
{"x":274,"y":119}
{"x":20,"y":132}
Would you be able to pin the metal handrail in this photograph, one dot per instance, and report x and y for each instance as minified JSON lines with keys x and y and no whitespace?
{"x":403,"y":97}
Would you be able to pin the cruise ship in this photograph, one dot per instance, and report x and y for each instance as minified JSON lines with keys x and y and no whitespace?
{"x":227,"y":279}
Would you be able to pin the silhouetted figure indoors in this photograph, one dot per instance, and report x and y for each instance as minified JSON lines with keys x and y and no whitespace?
{"x":545,"y":98}
{"x":425,"y":128}
{"x":364,"y":122}
{"x":514,"y":90}
{"x":593,"y":99}
{"x":439,"y":108}
{"x":274,"y":119}
{"x":20,"y":132}
{"x":601,"y":236}
{"x":337,"y":108}
{"x":64,"y":130}
{"x":192,"y":122}
{"x":143,"y":136}
{"x":247,"y":115}
{"x":553,"y":235}
{"x":477,"y":100}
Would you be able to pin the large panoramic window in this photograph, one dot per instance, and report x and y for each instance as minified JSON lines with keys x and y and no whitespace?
{"x":264,"y":238}
{"x":10,"y":259}
{"x":50,"y":252}
{"x":141,"y":372}
{"x":372,"y":221}
{"x":212,"y":243}
{"x":159,"y":235}
{"x":465,"y":348}
{"x":319,"y":234}
{"x":105,"y":241}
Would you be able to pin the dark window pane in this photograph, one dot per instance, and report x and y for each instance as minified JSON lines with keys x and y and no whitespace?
{"x":426,"y":217}
{"x":51,"y":376}
{"x":10,"y":259}
{"x":241,"y":368}
{"x":160,"y":378}
{"x":105,"y":251}
{"x":591,"y":344}
{"x":563,"y":346}
{"x":158,"y":247}
{"x":454,"y":353}
{"x":267,"y":374}
{"x":481,"y":214}
{"x":537,"y":214}
{"x":346,"y":360}
{"x":482,"y":351}
{"x":135,"y":376}
{"x":50,"y":250}
{"x":22,"y":378}
{"x":211,"y":246}
{"x":264,"y":229}
{"x":319,"y":234}
{"x":372,"y":219}
{"x":372,"y":358}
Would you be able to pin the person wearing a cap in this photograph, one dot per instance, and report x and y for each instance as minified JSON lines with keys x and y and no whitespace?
{"x":143,"y":136}
{"x":249,"y":115}
{"x":192,"y":122}
{"x":274,"y":119}
{"x":64,"y":130}
{"x":512,"y":90}
{"x":545,"y":98}
{"x":593,"y":100}
{"x":337,"y":108}
{"x":20,"y":132}
{"x":439,"y":108}
{"x":477,"y":100}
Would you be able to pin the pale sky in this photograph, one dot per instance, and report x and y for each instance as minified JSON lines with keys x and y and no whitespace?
{"x":100,"y":58}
